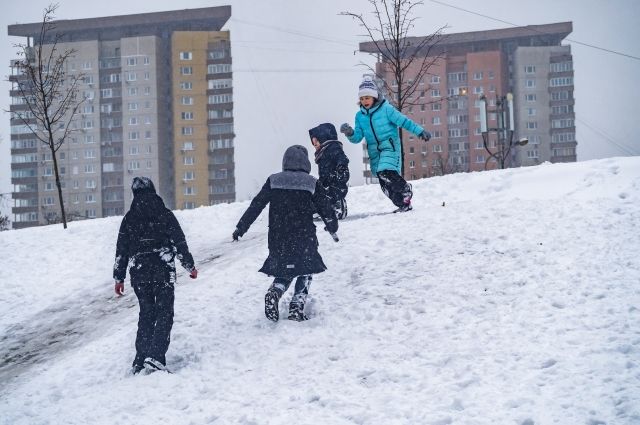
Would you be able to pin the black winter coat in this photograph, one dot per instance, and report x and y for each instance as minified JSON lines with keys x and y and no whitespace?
{"x":150,"y":237}
{"x":333,"y":166}
{"x":293,"y":196}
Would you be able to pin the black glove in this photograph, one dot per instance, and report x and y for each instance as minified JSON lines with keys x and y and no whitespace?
{"x":425,"y":136}
{"x":236,"y":234}
{"x":346,"y":130}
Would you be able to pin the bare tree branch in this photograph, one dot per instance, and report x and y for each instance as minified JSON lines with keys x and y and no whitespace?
{"x":51,"y":99}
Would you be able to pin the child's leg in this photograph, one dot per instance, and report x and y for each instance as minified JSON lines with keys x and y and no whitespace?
{"x":395,"y":187}
{"x":272,"y":298}
{"x":296,"y":307}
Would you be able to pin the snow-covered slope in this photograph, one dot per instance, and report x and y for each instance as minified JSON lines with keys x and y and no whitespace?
{"x":517,"y":302}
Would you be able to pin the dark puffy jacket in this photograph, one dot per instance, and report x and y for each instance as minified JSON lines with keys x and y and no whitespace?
{"x":333,"y":164}
{"x":150,"y":237}
{"x":293,"y":196}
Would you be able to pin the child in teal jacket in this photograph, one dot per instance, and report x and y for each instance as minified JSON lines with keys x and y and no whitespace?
{"x":378,"y":122}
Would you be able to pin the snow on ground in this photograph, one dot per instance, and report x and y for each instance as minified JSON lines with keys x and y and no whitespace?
{"x":517,"y":302}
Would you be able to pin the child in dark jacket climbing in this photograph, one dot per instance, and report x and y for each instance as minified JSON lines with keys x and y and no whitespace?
{"x":294,"y":196}
{"x":333,"y":166}
{"x":150,"y":238}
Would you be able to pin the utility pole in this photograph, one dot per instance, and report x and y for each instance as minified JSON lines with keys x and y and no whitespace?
{"x":504,"y":129}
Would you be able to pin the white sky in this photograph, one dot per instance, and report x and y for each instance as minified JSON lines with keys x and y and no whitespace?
{"x":315,"y":46}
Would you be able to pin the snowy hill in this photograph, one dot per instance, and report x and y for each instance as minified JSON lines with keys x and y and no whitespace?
{"x":517,"y":302}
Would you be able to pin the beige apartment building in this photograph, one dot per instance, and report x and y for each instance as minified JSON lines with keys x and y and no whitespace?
{"x":158,"y":103}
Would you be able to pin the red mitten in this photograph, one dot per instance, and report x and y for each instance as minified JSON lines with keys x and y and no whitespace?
{"x":119,"y":288}
{"x":193,"y":274}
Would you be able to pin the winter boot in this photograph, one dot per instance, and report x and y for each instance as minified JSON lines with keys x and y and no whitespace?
{"x":153,"y":365}
{"x":407,"y":194}
{"x":296,"y":312}
{"x":404,"y":208}
{"x":271,"y":300}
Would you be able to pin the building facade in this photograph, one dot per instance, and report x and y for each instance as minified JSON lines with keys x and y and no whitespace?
{"x":158,"y":102}
{"x":528,"y":62}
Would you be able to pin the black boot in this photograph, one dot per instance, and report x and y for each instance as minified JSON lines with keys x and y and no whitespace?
{"x":296,"y":312}
{"x":271,"y":300}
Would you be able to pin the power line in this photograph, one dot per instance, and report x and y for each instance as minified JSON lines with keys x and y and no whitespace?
{"x":534,"y":30}
{"x":294,"y":32}
{"x":620,"y":146}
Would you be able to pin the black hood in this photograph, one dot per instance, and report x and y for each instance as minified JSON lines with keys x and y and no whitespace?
{"x":296,"y":158}
{"x":142,"y":185}
{"x":324,"y":132}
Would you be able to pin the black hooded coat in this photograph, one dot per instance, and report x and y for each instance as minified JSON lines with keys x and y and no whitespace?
{"x":294,"y":196}
{"x":333,"y":164}
{"x":150,"y":237}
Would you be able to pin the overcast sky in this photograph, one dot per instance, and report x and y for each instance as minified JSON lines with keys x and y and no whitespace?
{"x":295,"y":67}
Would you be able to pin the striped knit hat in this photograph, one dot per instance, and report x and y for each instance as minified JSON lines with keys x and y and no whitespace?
{"x":368,"y":87}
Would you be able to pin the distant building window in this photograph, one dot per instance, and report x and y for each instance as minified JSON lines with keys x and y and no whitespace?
{"x":186,"y":70}
{"x":530,"y":69}
{"x":132,"y":61}
{"x":186,"y":56}
{"x":188,"y":85}
{"x":530,"y":97}
{"x":530,"y":83}
{"x":477,"y":75}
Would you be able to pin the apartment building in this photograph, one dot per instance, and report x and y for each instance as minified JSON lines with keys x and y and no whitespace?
{"x":529,"y":62}
{"x":158,"y":103}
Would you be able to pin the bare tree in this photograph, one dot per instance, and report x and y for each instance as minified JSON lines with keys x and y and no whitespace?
{"x":49,"y":93}
{"x":4,"y":223}
{"x":407,"y":59}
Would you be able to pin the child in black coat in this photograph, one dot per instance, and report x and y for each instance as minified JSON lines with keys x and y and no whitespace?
{"x":294,"y":196}
{"x":333,"y":166}
{"x":150,"y":238}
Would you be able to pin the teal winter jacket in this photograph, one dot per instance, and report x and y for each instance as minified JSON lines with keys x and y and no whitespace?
{"x":379,"y":127}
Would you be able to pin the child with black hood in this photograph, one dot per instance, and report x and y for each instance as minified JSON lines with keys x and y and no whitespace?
{"x":294,"y":196}
{"x":333,"y":166}
{"x":150,"y":238}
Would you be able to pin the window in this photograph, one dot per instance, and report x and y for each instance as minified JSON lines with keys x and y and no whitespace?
{"x":436,"y":106}
{"x":89,"y":168}
{"x":134,"y":150}
{"x":479,"y":159}
{"x":563,"y":137}
{"x":561,"y":81}
{"x":106,"y":93}
{"x":562,"y":109}
{"x":187,"y":100}
{"x":217,"y":54}
{"x":218,"y":68}
{"x":530,"y":69}
{"x":90,"y":184}
{"x":188,"y":160}
{"x":437,"y":148}
{"x":563,"y":123}
{"x":188,"y":175}
{"x":187,"y":131}
{"x":133,"y":91}
{"x":435,"y":93}
{"x":533,"y":154}
{"x":491,"y":75}
{"x":147,"y":135}
{"x":435,"y":79}
{"x":188,"y":85}
{"x":531,"y":111}
{"x":187,"y":115}
{"x":477,"y":75}
{"x":133,"y":106}
{"x":133,"y":121}
{"x":220,"y":98}
{"x":134,"y":165}
{"x":478,"y":90}
{"x":560,"y":95}
{"x":530,"y":84}
{"x":90,"y":153}
{"x":186,"y":56}
{"x":131,"y":76}
{"x":187,"y":146}
{"x":532,"y":125}
{"x":134,"y":135}
{"x":132,"y":61}
{"x":435,"y":120}
{"x":530,"y":97}
{"x":186,"y":70}
{"x":561,"y":67}
{"x":145,"y":60}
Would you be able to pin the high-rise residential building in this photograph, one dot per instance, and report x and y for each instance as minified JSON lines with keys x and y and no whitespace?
{"x":529,"y":62}
{"x":158,"y":103}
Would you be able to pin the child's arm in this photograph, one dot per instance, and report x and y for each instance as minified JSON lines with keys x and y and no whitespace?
{"x":324,"y":208}
{"x":401,"y":120}
{"x":257,"y":205}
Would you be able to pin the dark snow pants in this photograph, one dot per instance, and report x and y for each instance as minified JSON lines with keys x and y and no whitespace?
{"x":395,"y":187}
{"x":155,"y":293}
{"x":281,"y":284}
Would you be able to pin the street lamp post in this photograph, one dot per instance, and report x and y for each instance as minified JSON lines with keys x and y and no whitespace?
{"x":504,"y":129}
